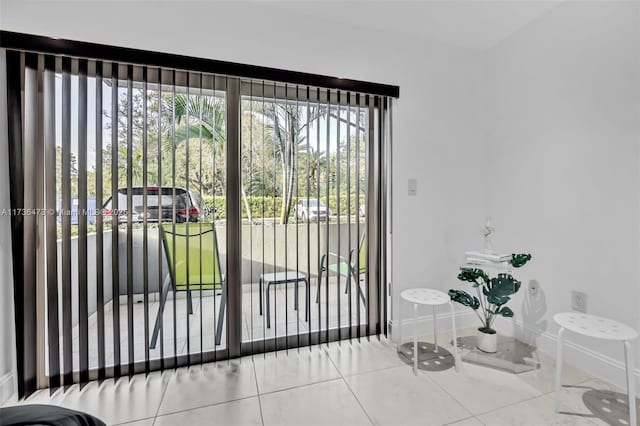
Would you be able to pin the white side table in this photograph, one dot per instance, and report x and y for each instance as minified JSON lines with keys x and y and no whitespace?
{"x":598,"y":328}
{"x":426,"y":296}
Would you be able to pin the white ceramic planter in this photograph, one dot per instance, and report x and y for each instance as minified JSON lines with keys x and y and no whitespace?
{"x":487,"y":342}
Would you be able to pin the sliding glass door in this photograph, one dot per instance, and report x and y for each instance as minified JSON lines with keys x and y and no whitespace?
{"x":304,"y":198}
{"x":173,"y":217}
{"x":132,"y":176}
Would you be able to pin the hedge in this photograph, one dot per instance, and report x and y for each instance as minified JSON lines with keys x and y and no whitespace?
{"x":272,"y":205}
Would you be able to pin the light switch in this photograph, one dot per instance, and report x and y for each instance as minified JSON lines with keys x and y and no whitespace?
{"x":413,"y":186}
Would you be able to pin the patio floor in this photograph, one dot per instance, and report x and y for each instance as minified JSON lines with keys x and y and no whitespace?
{"x":284,"y":320}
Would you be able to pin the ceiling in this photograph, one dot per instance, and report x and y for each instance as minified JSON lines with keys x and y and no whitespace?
{"x":474,"y":24}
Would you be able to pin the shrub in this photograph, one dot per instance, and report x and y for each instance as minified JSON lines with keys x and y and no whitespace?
{"x":270,"y":206}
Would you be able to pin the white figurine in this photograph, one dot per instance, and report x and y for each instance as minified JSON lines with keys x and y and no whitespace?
{"x":488,"y":232}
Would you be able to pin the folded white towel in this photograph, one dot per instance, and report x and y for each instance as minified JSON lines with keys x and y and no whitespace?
{"x":488,"y":256}
{"x":474,"y":261}
{"x":486,"y":265}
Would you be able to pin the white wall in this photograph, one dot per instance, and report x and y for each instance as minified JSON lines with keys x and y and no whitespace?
{"x":563,"y":140}
{"x":437,"y":118}
{"x":549,"y":119}
{"x":7,"y":324}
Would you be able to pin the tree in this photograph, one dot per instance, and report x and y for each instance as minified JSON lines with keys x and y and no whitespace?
{"x":276,"y":157}
{"x":138,"y":127}
{"x":286,"y":124}
{"x":316,"y":161}
{"x":73,"y":172}
{"x":202,"y":119}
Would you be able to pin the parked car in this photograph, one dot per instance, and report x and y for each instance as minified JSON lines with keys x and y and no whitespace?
{"x":160,"y":207}
{"x":312,"y":209}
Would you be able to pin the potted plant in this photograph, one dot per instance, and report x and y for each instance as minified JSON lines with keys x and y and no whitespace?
{"x":492,"y":296}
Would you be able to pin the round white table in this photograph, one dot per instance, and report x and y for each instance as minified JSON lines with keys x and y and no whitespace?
{"x":433,"y":298}
{"x":598,"y":328}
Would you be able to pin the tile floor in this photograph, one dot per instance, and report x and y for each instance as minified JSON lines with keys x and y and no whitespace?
{"x":347,"y":383}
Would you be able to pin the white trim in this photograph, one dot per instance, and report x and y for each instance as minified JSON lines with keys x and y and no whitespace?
{"x":8,"y":382}
{"x":597,"y":364}
{"x":7,"y":388}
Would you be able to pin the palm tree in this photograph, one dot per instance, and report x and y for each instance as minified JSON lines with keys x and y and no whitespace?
{"x":285,"y":124}
{"x":202,"y":118}
{"x":317,"y":162}
{"x":207,"y":119}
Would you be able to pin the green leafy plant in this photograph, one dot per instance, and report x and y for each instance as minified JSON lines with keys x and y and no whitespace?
{"x":492,"y":294}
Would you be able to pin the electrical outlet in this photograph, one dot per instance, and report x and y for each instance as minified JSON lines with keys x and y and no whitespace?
{"x":534,"y":288}
{"x":413,"y":187}
{"x":579,"y":301}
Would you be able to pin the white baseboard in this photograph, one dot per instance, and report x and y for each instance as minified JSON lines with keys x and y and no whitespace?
{"x":7,"y":388}
{"x":595,"y":363}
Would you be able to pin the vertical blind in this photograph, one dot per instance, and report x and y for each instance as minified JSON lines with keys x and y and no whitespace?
{"x":171,"y":215}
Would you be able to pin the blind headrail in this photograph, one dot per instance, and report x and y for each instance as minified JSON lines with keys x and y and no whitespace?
{"x":82,"y":49}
